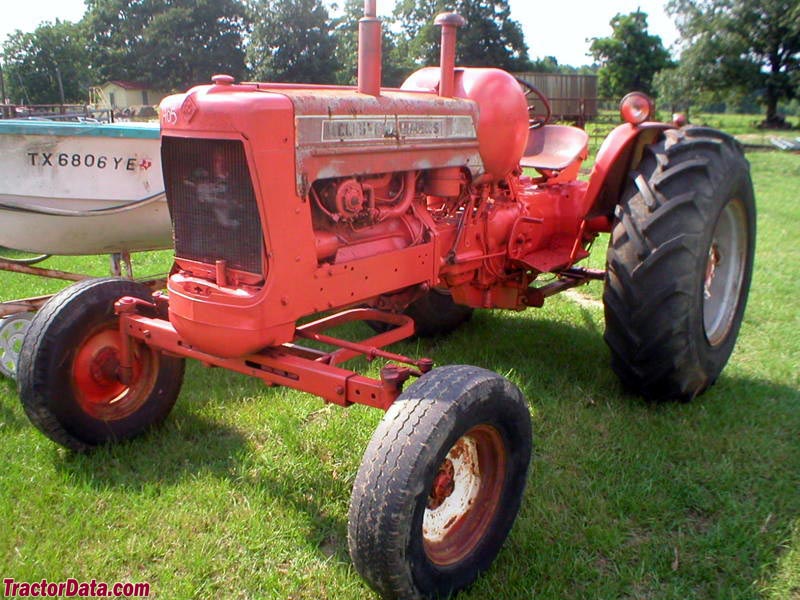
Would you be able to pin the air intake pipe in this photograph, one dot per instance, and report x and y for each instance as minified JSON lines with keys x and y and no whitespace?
{"x":369,"y":51}
{"x":449,"y":22}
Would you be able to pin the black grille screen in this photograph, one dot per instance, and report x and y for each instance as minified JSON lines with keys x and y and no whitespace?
{"x":211,"y":202}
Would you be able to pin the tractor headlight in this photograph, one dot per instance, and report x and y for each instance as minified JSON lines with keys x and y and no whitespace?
{"x":636,"y":108}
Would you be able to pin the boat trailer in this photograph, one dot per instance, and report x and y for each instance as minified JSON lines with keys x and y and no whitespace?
{"x":16,"y":315}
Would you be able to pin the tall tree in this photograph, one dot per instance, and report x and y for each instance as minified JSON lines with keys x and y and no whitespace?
{"x":490,"y":38}
{"x":742,"y":45}
{"x":292,"y":41}
{"x":345,"y":33}
{"x":629,"y":57}
{"x":35,"y":61}
{"x":675,"y":91}
{"x":170,"y":44}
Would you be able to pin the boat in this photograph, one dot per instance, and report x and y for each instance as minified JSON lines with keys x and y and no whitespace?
{"x":77,"y":188}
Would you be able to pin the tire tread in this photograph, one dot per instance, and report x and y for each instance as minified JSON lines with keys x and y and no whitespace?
{"x":33,"y":382}
{"x":399,"y":449}
{"x":667,"y":209}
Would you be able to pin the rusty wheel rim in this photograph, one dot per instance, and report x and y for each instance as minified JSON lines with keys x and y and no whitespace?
{"x":465,"y":496}
{"x":95,"y":376}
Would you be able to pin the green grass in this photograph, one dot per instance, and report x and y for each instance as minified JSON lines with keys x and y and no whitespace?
{"x":744,"y":127}
{"x":243,"y":493}
{"x":740,"y":124}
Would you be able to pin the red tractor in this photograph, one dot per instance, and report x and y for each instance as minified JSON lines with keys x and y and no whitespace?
{"x":405,"y":208}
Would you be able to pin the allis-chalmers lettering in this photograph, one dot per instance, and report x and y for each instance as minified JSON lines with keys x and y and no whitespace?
{"x":353,"y":129}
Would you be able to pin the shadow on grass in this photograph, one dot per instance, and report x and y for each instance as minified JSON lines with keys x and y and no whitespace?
{"x":11,"y":418}
{"x":188,"y":443}
{"x":621,"y":487}
{"x":191,"y":444}
{"x":540,"y":354}
{"x":312,"y":492}
{"x":182,"y":448}
{"x":618,"y":489}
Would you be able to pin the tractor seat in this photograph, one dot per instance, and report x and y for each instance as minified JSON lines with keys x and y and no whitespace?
{"x":554,"y":147}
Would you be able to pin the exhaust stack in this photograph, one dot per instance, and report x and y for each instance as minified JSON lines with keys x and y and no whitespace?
{"x":449,"y":22}
{"x":369,"y":51}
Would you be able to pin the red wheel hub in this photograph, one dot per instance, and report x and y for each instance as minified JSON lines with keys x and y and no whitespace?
{"x":95,"y":376}
{"x":104,"y":366}
{"x":443,"y":485}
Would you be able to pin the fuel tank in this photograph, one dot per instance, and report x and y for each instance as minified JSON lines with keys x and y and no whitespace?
{"x":502,"y":125}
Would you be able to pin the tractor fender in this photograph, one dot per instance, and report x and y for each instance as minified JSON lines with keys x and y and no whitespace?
{"x":619,"y":154}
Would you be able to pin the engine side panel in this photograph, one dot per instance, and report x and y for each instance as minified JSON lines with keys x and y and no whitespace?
{"x":341,"y":134}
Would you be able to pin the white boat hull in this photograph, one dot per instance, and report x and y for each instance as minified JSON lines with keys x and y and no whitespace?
{"x":74,"y":188}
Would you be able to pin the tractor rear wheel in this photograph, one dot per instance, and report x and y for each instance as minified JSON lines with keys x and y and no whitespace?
{"x":440,"y":484}
{"x":68,"y":369}
{"x":679,"y":264}
{"x":435,"y":313}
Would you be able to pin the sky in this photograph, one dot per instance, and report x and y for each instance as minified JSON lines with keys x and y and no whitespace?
{"x":572,"y":22}
{"x":558,"y":28}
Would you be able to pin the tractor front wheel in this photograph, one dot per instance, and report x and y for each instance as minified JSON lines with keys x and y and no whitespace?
{"x":68,"y":371}
{"x":441,"y":483}
{"x":679,"y":264}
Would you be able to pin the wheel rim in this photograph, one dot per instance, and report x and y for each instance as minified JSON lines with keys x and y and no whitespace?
{"x":724,"y":273}
{"x":95,"y":376}
{"x":12,"y":333}
{"x":464,"y":496}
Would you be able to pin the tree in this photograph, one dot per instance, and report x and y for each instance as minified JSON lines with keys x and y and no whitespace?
{"x":35,"y":61}
{"x":629,"y":58}
{"x":548,"y":64}
{"x":490,"y":38}
{"x":741,"y":45}
{"x":292,"y":41}
{"x":345,"y":33}
{"x":396,"y":66}
{"x":675,"y":91}
{"x":170,"y":44}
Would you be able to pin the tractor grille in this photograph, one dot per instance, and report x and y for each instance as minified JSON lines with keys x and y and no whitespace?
{"x":211,"y":202}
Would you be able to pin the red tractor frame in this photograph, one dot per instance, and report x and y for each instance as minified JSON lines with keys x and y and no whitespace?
{"x":405,"y":208}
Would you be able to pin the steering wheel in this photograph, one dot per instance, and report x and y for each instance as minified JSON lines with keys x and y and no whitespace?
{"x":531,"y":90}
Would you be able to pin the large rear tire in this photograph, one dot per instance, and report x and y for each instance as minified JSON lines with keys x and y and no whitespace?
{"x":435,"y":313}
{"x":440,"y":484}
{"x":68,"y":369}
{"x":679,"y":264}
